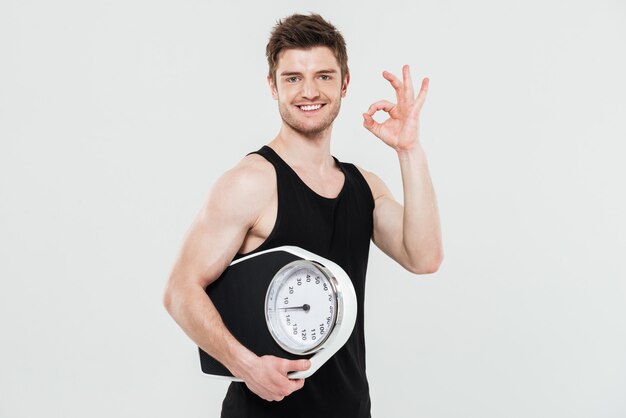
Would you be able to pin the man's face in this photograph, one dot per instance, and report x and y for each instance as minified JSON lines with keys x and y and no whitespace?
{"x":308,"y":89}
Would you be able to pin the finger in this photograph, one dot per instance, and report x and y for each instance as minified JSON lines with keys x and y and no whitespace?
{"x":370,"y":124}
{"x":395,"y":83}
{"x":408,"y":83}
{"x":385,"y":105}
{"x":292,"y":386}
{"x":421,"y":97}
{"x":423,"y":90}
{"x":296,"y":365}
{"x":297,"y":384}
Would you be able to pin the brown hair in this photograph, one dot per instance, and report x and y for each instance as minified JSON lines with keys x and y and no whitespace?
{"x":304,"y":32}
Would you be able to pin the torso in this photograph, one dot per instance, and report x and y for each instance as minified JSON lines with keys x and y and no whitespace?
{"x":328,"y":186}
{"x":334,"y":219}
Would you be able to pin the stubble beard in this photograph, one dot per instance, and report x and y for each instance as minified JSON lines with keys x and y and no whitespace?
{"x":287,"y":115}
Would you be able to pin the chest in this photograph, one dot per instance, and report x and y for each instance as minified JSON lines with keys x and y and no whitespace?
{"x":327,"y":185}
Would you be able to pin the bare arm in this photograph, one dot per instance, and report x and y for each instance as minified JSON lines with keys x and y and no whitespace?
{"x":410,"y":234}
{"x":232,"y":209}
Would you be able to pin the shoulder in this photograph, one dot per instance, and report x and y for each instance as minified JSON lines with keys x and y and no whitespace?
{"x":245,"y":189}
{"x":253,"y":175}
{"x":377,"y":186}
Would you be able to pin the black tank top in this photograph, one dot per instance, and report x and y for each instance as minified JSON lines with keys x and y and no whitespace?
{"x":339,"y":229}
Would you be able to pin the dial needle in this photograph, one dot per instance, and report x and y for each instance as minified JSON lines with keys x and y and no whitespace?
{"x":304,"y":308}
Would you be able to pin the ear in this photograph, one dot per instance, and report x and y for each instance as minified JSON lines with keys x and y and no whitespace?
{"x":344,"y":88}
{"x":272,"y":88}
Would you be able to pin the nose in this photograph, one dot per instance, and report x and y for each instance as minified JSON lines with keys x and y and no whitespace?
{"x":309,"y":89}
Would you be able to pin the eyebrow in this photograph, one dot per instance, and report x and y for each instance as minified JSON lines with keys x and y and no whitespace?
{"x":290,"y":73}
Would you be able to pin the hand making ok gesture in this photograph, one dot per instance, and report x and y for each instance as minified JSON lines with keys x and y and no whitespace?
{"x":401,"y":130}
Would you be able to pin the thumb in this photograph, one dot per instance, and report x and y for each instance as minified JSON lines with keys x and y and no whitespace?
{"x":300,"y":365}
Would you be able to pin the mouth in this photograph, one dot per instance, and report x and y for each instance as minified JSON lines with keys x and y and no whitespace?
{"x":312,"y":108}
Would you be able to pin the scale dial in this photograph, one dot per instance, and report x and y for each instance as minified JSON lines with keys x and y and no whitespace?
{"x":301,"y":306}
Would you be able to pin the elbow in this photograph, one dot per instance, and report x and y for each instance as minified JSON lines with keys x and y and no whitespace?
{"x":430,"y":269}
{"x":427,"y":266}
{"x":168,"y":298}
{"x":425,"y":269}
{"x":178,"y":293}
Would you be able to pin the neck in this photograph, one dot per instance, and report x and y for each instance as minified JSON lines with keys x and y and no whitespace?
{"x":300,"y":150}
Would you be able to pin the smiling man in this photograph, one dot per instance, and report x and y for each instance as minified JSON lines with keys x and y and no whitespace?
{"x":292,"y":191}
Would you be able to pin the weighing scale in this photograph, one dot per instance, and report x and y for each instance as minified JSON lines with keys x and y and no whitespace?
{"x":287,"y":302}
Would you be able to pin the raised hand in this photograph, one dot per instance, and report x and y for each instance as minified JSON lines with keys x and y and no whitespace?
{"x":401,"y":130}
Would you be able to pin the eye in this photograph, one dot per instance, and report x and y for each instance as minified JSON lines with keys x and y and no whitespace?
{"x":292,"y":79}
{"x":325,"y":77}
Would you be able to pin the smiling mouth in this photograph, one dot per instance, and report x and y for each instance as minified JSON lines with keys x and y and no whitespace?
{"x":311,"y":108}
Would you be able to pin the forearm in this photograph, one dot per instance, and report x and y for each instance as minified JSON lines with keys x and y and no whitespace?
{"x":194,"y":312}
{"x":421,"y":230}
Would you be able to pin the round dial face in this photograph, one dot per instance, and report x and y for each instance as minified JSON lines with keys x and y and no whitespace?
{"x":301,"y":306}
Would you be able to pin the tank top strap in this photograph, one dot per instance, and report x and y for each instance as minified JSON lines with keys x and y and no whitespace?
{"x":286,"y":179}
{"x":270,"y":155}
{"x":357,"y":183}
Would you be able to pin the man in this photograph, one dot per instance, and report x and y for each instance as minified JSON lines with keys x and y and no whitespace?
{"x":293,"y":192}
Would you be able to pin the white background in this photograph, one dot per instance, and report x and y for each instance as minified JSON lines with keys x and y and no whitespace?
{"x":116,"y":117}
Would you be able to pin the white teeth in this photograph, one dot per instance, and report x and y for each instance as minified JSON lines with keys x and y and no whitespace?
{"x":314,"y":107}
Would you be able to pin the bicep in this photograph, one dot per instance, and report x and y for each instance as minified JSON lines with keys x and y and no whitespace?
{"x":388,"y":219}
{"x":217,"y":232}
{"x":388,"y":226}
